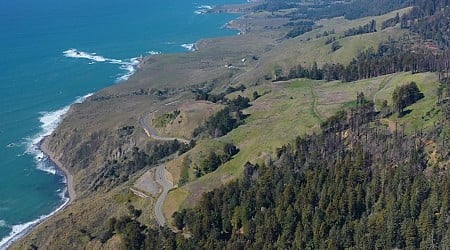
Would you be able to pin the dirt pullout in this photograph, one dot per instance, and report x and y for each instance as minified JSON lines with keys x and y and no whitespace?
{"x":148,"y":184}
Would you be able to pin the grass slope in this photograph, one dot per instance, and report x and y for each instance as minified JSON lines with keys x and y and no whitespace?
{"x":309,"y":47}
{"x":293,"y":108}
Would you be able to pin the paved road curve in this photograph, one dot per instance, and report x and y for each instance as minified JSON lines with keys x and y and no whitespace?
{"x":160,"y":174}
{"x":160,"y":177}
{"x":151,"y":132}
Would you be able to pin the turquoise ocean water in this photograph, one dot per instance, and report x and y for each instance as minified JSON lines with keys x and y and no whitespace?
{"x":52,"y":53}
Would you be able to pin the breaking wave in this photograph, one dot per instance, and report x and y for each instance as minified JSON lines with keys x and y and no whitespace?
{"x":128,"y":65}
{"x":203,"y":9}
{"x":20,"y":230}
{"x":49,"y":121}
{"x":189,"y":46}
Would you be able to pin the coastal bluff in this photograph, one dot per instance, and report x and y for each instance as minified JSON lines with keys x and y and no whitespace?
{"x":104,"y":131}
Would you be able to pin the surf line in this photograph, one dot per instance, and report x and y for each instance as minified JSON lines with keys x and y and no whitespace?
{"x":49,"y":122}
{"x":128,"y":65}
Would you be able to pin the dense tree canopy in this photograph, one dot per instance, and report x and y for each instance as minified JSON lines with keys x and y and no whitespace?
{"x":225,"y":120}
{"x":367,"y":28}
{"x":405,"y":95}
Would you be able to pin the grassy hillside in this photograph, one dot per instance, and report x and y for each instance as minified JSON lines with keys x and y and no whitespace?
{"x":290,"y":109}
{"x":105,"y":130}
{"x":298,"y":107}
{"x":422,"y":114}
{"x":310,"y":47}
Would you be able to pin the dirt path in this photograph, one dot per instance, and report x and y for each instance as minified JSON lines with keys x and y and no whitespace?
{"x":314,"y":111}
{"x":385,"y":83}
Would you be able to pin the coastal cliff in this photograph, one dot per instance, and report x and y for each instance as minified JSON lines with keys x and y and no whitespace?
{"x":97,"y":138}
{"x":104,"y":150}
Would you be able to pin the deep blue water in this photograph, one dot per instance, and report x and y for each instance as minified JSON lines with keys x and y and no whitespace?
{"x":38,"y":80}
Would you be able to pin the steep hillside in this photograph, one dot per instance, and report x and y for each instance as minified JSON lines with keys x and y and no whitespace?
{"x":241,"y":102}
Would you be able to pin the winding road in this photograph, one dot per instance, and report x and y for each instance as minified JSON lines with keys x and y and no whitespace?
{"x":151,"y":132}
{"x":160,"y":174}
{"x":166,"y":186}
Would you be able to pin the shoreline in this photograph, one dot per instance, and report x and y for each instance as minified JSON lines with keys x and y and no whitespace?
{"x":68,"y":198}
{"x":70,"y":193}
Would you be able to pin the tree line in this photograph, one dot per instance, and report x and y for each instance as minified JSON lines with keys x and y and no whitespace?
{"x":214,"y":160}
{"x":405,"y":95}
{"x":362,"y":29}
{"x":428,"y":19}
{"x":391,"y":22}
{"x":390,"y":57}
{"x":329,"y":8}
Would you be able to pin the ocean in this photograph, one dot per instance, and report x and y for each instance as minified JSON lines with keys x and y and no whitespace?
{"x":54,"y":53}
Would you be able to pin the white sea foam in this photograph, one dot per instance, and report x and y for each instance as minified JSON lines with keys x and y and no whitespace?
{"x":152,"y":52}
{"x":86,"y":55}
{"x":208,"y":7}
{"x":49,"y":121}
{"x":203,"y":9}
{"x":128,"y":65}
{"x":3,"y":223}
{"x":189,"y":46}
{"x":19,"y":230}
{"x":74,"y":53}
